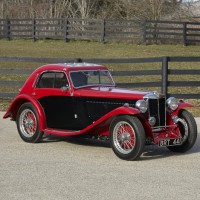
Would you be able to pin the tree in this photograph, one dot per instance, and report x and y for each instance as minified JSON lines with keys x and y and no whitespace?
{"x":150,"y":9}
{"x":190,"y":10}
{"x":84,"y":8}
{"x":59,"y":8}
{"x":103,"y":9}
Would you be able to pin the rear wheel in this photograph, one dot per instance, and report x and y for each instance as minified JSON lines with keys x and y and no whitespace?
{"x":27,"y":123}
{"x":188,"y":130}
{"x":127,"y":137}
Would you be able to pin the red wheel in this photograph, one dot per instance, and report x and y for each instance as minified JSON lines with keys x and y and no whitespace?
{"x":127,"y":137}
{"x":27,"y":123}
{"x":124,"y":137}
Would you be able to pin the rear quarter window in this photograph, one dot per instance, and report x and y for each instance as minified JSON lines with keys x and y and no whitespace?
{"x":52,"y":80}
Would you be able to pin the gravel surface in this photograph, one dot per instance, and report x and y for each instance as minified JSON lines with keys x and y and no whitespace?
{"x":75,"y":168}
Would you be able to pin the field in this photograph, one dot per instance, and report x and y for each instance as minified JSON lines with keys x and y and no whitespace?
{"x":85,"y":49}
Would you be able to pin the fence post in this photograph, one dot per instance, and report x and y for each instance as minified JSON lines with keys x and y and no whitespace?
{"x":145,"y":32}
{"x":33,"y":29}
{"x":164,"y":90}
{"x":184,"y":34}
{"x":103,"y":31}
{"x":66,"y":30}
{"x":8,"y":29}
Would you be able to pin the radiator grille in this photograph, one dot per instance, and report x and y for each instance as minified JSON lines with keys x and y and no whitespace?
{"x":157,"y":109}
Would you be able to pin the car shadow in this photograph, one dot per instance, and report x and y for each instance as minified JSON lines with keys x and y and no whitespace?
{"x":88,"y":142}
{"x":151,"y":152}
{"x":77,"y":141}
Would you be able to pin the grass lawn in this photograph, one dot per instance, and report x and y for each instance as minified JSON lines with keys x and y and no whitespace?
{"x":85,"y":49}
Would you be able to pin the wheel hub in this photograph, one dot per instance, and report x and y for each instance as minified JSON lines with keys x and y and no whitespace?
{"x":124,"y":137}
{"x":28,"y":123}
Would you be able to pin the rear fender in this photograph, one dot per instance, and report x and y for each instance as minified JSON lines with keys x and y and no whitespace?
{"x":17,"y":103}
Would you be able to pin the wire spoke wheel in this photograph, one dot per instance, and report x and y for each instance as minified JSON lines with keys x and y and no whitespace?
{"x":184,"y":131}
{"x":124,"y":137}
{"x":28,"y":123}
{"x":127,"y":137}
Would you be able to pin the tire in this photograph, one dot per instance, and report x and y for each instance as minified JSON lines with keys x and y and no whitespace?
{"x":27,"y":124}
{"x":188,"y":132}
{"x":127,"y":137}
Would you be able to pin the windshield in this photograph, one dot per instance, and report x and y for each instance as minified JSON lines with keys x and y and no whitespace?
{"x":92,"y":77}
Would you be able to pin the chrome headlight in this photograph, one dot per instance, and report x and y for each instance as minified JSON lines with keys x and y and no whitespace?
{"x":141,"y":105}
{"x":172,"y":103}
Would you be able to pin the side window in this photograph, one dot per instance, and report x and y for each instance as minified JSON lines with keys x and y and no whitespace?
{"x":46,"y":80}
{"x":52,"y":80}
{"x":60,"y":80}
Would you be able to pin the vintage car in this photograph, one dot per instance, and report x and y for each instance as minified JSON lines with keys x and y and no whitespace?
{"x":81,"y":99}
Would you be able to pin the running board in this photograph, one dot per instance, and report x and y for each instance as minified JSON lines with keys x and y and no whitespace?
{"x":61,"y":132}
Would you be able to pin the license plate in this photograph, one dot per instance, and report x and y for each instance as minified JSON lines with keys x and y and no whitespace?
{"x":170,"y":142}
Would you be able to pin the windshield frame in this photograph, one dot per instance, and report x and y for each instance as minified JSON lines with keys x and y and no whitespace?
{"x":96,"y":84}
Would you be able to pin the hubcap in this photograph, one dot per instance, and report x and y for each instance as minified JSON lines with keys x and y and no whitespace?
{"x":27,"y":123}
{"x":124,"y":137}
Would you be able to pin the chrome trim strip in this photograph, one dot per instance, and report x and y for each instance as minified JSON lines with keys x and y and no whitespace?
{"x":153,"y":95}
{"x":158,"y":110}
{"x":161,"y":128}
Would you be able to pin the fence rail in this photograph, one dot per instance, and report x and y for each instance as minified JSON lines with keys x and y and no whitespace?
{"x":139,"y":31}
{"x":164,"y":83}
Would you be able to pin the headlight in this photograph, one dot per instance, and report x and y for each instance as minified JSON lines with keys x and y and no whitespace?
{"x":141,"y":105}
{"x":172,"y":103}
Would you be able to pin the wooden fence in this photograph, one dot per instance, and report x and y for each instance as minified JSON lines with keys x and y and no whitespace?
{"x":137,"y":31}
{"x":163,"y":83}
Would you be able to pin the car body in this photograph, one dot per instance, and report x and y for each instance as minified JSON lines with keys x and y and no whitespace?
{"x":81,"y":99}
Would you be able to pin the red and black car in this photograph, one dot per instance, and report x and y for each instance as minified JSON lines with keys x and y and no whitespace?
{"x":82,"y":99}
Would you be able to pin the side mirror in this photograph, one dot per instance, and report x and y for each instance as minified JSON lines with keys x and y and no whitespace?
{"x":65,"y":88}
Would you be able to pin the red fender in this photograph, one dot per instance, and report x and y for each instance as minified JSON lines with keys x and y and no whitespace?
{"x":124,"y":110}
{"x":182,"y":105}
{"x":24,"y":98}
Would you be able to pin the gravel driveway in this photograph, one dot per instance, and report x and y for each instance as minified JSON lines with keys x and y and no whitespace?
{"x":83,"y":169}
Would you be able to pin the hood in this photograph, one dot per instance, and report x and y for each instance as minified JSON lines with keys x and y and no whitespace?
{"x":109,"y":92}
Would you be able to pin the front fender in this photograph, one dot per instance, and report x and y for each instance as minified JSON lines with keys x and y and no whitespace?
{"x":21,"y":99}
{"x":182,"y":105}
{"x":124,"y":110}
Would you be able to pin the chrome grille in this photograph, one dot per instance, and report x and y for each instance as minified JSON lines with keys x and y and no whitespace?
{"x":157,"y":109}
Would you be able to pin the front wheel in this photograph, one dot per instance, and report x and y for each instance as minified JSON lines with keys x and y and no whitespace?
{"x":188,"y":131}
{"x":27,"y":123}
{"x":127,"y":137}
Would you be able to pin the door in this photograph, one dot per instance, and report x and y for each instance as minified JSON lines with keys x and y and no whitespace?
{"x":52,"y":93}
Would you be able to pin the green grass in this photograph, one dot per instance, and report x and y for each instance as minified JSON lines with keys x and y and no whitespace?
{"x":85,"y":49}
